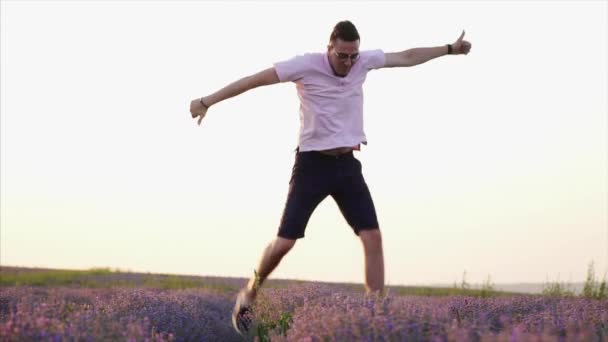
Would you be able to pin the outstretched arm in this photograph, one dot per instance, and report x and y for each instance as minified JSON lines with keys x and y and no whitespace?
{"x":417,"y":56}
{"x":199,"y":107}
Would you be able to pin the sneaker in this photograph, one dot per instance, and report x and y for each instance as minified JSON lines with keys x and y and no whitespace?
{"x":242,"y":315}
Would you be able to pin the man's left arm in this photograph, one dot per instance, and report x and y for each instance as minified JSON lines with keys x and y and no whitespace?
{"x":417,"y":56}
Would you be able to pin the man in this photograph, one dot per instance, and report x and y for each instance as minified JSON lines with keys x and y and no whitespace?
{"x":329,"y":86}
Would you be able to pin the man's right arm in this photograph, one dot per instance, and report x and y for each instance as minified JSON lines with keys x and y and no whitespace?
{"x":262,"y":78}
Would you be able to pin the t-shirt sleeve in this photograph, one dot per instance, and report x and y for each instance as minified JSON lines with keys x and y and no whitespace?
{"x":292,"y":69}
{"x":375,"y":59}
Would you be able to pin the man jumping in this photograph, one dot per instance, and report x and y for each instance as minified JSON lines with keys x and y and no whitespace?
{"x":329,"y":86}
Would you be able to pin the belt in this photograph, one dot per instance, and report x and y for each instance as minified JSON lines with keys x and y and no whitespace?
{"x":334,"y":152}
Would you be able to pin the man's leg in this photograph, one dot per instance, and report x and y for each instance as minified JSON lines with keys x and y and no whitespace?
{"x":374,"y":260}
{"x":273,"y":253}
{"x":307,"y":188}
{"x":355,"y":202}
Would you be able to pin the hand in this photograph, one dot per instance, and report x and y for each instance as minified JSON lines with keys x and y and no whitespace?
{"x":197,"y":109}
{"x":461,"y":46}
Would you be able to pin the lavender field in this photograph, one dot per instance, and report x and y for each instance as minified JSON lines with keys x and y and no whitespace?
{"x":43,"y":305}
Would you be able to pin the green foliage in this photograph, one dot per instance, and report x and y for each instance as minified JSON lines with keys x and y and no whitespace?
{"x":53,"y":277}
{"x":487,"y":289}
{"x":592,"y":289}
{"x":463,"y":284}
{"x":447,"y":291}
{"x":557,"y":289}
{"x":104,"y":278}
{"x":266,"y":326}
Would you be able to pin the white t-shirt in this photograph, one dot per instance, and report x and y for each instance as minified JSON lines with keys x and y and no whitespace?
{"x":331,"y":107}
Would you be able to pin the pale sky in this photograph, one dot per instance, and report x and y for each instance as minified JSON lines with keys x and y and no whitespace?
{"x":495,"y":163}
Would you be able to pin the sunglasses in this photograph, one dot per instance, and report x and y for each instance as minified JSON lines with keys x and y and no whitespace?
{"x":344,"y":56}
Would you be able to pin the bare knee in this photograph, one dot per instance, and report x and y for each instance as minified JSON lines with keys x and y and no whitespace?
{"x":371,"y":239}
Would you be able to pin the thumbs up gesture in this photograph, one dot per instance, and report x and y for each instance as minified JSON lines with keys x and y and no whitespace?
{"x":461,"y":46}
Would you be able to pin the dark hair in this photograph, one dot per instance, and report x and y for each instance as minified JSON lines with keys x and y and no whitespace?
{"x":344,"y":30}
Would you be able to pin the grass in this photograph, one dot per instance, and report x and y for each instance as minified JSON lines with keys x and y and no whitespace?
{"x":446,"y":291}
{"x":593,"y":288}
{"x":35,"y":277}
{"x":105,"y":277}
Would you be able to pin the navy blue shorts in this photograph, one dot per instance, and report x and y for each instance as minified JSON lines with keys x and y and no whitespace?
{"x":315,"y":176}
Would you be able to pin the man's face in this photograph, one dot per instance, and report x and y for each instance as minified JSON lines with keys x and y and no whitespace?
{"x":343,"y":55}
